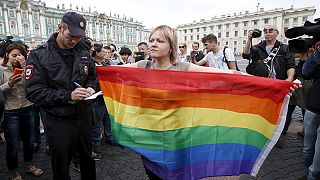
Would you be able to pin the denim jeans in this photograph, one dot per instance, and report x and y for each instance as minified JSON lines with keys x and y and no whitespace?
{"x":96,"y":131}
{"x":311,"y":149}
{"x":18,"y":125}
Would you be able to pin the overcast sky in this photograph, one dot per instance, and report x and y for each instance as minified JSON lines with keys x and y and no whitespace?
{"x":175,"y":12}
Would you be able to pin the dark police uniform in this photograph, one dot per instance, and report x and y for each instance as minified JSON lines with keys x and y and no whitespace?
{"x":50,"y":76}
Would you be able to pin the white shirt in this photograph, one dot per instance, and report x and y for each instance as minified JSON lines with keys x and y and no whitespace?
{"x":216,"y":60}
{"x":183,"y":58}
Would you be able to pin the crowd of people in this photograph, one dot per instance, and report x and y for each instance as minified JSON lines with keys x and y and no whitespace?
{"x":58,"y":75}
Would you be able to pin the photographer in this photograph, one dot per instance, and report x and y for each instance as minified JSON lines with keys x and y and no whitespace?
{"x":195,"y":53}
{"x":115,"y":56}
{"x":283,"y":62}
{"x":143,"y":47}
{"x":311,"y":149}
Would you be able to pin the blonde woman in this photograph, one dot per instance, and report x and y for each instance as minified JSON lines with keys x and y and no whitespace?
{"x":164,"y":52}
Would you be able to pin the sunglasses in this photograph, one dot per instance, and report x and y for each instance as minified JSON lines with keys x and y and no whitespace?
{"x":269,"y":30}
{"x":181,"y":46}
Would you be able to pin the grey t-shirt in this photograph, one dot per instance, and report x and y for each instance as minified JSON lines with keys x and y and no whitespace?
{"x":180,"y":66}
{"x":268,"y":49}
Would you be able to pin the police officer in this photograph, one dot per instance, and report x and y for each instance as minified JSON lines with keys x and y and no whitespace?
{"x":59,"y":76}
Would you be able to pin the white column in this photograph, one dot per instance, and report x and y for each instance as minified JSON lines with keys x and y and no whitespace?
{"x":5,"y":13}
{"x":43,"y":25}
{"x":18,"y":11}
{"x":90,"y":29}
{"x":105,"y":32}
{"x":124,"y":34}
{"x":111,"y":31}
{"x":31,"y":24}
{"x":137,"y":37}
{"x":98,"y":31}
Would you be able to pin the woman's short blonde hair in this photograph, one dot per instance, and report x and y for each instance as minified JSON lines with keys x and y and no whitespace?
{"x":171,"y":36}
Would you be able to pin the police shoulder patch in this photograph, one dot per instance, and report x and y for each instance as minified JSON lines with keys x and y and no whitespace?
{"x":29,"y":72}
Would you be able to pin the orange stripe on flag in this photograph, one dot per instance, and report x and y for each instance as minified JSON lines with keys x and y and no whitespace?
{"x":163,"y":100}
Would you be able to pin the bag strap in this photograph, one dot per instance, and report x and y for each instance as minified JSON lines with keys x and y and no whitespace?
{"x":271,"y":57}
{"x":226,"y":60}
{"x":224,"y":55}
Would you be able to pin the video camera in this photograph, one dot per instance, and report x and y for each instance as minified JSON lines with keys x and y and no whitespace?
{"x":4,"y":43}
{"x":301,"y":45}
{"x":139,"y":56}
{"x":193,"y":54}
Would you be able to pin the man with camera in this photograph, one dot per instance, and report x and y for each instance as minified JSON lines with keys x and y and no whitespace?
{"x":279,"y":60}
{"x":195,"y":53}
{"x":142,"y":53}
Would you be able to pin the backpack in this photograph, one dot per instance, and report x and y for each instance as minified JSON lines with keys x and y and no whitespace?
{"x":226,"y":60}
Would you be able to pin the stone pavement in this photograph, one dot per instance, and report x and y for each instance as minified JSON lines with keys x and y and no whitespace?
{"x":117,"y":163}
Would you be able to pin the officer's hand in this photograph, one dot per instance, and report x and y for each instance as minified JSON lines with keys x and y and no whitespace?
{"x":79,"y":94}
{"x":250,"y":35}
{"x":90,"y":90}
{"x":14,"y":80}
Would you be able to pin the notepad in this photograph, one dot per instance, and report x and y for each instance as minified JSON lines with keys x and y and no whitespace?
{"x":93,"y":96}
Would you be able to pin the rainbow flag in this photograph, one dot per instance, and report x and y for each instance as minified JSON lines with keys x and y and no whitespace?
{"x":191,"y":125}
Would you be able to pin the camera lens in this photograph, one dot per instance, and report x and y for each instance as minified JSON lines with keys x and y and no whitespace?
{"x":256,"y":33}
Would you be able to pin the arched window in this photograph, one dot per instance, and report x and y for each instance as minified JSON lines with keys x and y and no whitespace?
{"x":102,"y":36}
{"x":36,"y":30}
{"x":50,"y":31}
{"x":35,"y":17}
{"x":11,"y":13}
{"x":13,"y":28}
{"x":1,"y":28}
{"x":24,"y":15}
{"x":26,"y":31}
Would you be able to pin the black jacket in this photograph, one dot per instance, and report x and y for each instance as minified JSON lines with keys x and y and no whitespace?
{"x":52,"y":78}
{"x":310,"y":70}
{"x":282,"y":62}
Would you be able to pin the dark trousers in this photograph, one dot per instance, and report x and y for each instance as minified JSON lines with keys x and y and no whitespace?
{"x":98,"y":113}
{"x":64,"y":139}
{"x":107,"y":127}
{"x":18,"y":125}
{"x":36,"y":115}
{"x":151,"y":175}
{"x":289,"y":117}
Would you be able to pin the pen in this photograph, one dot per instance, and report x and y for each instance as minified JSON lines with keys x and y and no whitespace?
{"x":77,"y":85}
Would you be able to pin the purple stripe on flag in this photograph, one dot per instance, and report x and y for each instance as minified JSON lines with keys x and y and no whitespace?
{"x":203,"y":169}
